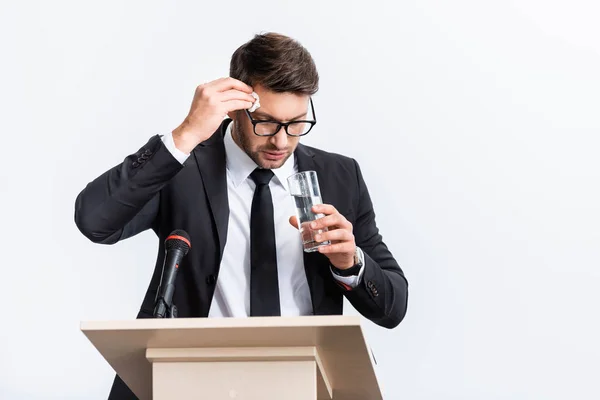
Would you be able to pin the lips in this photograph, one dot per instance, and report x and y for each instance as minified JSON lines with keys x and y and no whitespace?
{"x":274,"y":155}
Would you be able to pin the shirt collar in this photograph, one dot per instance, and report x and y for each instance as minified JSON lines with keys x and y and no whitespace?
{"x":240,"y":165}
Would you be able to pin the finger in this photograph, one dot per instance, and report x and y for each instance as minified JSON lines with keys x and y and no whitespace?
{"x":324,"y":209}
{"x":344,"y":247}
{"x":294,"y":222}
{"x":341,"y":235}
{"x":233,"y":105}
{"x":223,"y":84}
{"x":330,"y":220}
{"x":234,"y":94}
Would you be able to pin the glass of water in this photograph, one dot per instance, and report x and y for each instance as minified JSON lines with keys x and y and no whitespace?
{"x":304,"y":188}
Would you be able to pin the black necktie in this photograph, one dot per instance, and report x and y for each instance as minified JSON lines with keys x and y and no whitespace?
{"x":264,"y":287}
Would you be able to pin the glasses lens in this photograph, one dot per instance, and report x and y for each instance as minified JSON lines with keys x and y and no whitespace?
{"x":266,"y":128}
{"x":298,"y":128}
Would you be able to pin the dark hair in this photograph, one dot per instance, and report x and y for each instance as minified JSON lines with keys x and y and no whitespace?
{"x":277,"y":62}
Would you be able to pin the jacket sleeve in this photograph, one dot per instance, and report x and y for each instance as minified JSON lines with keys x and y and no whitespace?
{"x":382,"y":294}
{"x":124,"y":201}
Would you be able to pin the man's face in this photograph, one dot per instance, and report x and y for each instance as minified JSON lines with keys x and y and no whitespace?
{"x":270,"y":152}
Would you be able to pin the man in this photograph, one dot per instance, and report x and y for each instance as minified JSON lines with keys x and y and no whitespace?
{"x":205,"y":176}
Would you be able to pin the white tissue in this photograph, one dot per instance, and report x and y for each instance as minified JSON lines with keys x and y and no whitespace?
{"x":256,"y":104}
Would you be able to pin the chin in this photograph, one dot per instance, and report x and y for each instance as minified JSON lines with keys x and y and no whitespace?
{"x":269,"y":164}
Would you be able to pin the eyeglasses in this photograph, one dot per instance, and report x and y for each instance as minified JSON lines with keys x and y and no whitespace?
{"x":293,"y":128}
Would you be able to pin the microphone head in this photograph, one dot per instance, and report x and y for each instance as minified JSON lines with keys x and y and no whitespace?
{"x":178,"y":239}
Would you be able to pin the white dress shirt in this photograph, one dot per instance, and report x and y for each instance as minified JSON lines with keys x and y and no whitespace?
{"x":232,"y":293}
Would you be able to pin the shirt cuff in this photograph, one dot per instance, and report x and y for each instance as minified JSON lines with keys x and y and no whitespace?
{"x":352,"y":281}
{"x":170,"y":145}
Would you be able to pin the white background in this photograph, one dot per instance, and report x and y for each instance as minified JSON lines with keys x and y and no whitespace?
{"x":477,"y":127}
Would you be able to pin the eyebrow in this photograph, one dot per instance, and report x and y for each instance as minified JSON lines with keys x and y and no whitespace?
{"x":265,"y":115}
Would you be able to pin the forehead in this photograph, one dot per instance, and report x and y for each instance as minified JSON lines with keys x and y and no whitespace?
{"x":281,"y":106}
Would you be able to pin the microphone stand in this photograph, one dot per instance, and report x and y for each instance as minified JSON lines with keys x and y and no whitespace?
{"x":162,"y":309}
{"x":173,"y":311}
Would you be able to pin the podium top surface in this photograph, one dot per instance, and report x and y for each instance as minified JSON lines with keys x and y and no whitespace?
{"x":221,"y":323}
{"x":340,"y":341}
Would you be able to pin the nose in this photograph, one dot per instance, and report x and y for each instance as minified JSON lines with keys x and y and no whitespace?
{"x":279,"y":140}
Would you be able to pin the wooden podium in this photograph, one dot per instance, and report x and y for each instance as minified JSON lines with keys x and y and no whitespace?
{"x":283,"y":358}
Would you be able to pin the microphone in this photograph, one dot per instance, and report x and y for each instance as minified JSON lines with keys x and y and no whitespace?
{"x":177,"y":246}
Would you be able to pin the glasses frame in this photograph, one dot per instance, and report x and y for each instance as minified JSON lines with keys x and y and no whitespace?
{"x":284,"y":124}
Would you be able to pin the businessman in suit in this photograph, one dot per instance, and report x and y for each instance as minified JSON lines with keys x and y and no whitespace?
{"x":221,"y":176}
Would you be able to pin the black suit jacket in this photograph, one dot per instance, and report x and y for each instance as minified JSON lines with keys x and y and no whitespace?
{"x":150,"y":189}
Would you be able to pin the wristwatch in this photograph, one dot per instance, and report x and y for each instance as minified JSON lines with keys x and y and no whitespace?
{"x":359,"y":261}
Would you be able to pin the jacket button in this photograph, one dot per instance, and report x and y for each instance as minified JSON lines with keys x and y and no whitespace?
{"x":135,"y":164}
{"x":211,"y":279}
{"x":147,"y":152}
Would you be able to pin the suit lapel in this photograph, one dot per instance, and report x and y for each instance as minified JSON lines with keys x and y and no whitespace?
{"x":210,"y":159}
